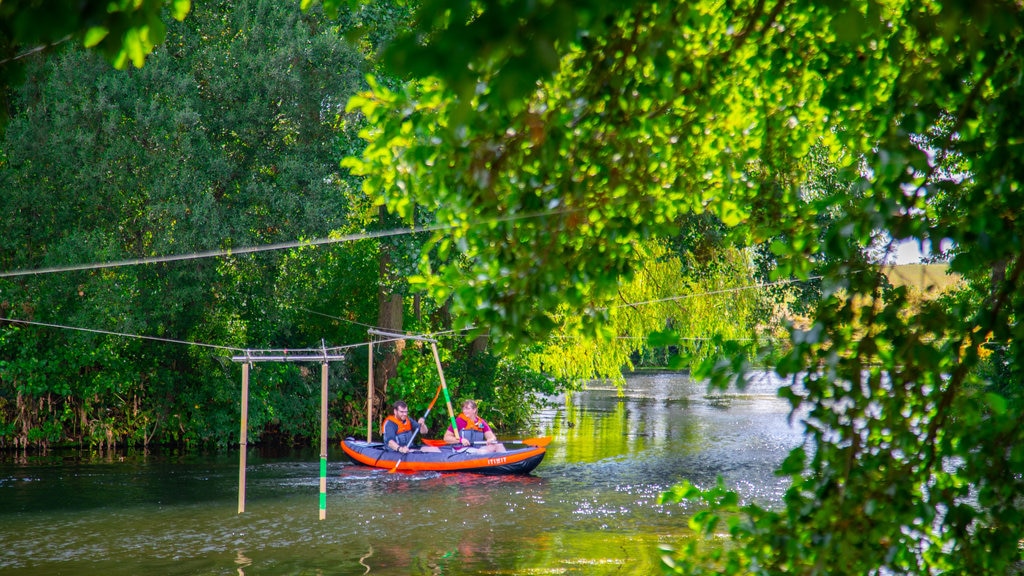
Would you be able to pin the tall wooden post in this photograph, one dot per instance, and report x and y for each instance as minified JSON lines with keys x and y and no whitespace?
{"x":243,"y":437}
{"x":369,"y":398}
{"x":323,"y":440}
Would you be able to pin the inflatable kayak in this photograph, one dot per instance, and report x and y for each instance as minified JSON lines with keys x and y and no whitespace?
{"x":515,"y":460}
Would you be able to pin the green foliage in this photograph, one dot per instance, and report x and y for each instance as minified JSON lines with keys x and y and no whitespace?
{"x":225,"y":138}
{"x":549,"y":200}
{"x":508,"y":392}
{"x":818,"y":131}
{"x":563,"y":143}
{"x":124,"y":32}
{"x":689,"y":305}
{"x":418,"y":383}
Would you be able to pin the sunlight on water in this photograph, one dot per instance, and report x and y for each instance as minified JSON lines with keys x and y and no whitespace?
{"x":589,"y":508}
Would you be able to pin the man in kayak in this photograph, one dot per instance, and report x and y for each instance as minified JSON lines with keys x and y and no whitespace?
{"x":473,"y":431}
{"x":398,"y":431}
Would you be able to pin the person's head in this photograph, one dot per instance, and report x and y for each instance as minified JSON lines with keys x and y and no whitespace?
{"x":401,"y":409}
{"x":469,"y":407}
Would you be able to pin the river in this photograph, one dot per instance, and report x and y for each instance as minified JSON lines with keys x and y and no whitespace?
{"x":589,"y":508}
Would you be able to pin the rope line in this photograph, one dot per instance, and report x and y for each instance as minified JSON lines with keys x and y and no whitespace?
{"x":121,"y":334}
{"x":227,"y":252}
{"x":340,"y":319}
{"x":376,"y":341}
{"x":35,"y":50}
{"x":713,"y":292}
{"x":312,"y":243}
{"x":322,"y":350}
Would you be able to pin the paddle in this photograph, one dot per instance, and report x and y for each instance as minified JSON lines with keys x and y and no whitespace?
{"x":536,"y":442}
{"x":415,"y":432}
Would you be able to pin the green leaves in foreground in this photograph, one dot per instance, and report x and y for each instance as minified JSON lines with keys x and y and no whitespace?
{"x":892,"y":121}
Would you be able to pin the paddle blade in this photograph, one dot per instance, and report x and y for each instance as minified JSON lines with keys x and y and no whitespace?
{"x":538,"y":442}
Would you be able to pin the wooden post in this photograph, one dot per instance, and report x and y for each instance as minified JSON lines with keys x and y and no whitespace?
{"x":309,"y":355}
{"x":369,"y":398}
{"x":447,"y":399}
{"x":243,"y":437}
{"x":323,"y":440}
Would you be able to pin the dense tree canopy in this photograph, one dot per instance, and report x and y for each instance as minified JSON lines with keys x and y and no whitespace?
{"x":227,"y":138}
{"x":589,"y":128}
{"x":125,"y":32}
{"x":563,"y":143}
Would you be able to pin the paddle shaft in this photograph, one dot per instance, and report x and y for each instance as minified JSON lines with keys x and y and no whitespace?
{"x":541,"y":441}
{"x":417,"y":430}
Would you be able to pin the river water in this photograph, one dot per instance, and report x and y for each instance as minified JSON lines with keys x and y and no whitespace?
{"x":589,"y":508}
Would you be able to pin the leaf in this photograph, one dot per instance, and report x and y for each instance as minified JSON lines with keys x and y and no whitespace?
{"x":794,"y":462}
{"x":181,"y":8}
{"x":662,"y":338}
{"x":996,"y":402}
{"x":95,"y":35}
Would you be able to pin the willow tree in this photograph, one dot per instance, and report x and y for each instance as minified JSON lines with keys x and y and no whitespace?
{"x":555,"y":138}
{"x":667,"y":296}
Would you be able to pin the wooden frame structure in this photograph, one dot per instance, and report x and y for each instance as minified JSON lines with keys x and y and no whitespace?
{"x":324,"y":355}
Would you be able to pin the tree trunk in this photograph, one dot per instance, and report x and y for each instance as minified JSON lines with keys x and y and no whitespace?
{"x":478,"y":345}
{"x":391,"y":308}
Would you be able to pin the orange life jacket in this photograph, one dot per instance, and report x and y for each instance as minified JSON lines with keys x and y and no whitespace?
{"x":474,"y":429}
{"x":475,"y":426}
{"x":403,"y":433}
{"x":402,"y":426}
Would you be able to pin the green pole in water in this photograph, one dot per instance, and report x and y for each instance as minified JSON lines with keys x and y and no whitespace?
{"x":323,"y":485}
{"x":242,"y":437}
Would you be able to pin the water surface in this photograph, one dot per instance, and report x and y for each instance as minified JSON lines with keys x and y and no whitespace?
{"x":589,"y":508}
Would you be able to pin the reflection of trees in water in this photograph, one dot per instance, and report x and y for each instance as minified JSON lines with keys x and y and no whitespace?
{"x":605,"y":422}
{"x":663,"y":427}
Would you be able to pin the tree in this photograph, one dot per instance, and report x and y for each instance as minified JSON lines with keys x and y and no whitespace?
{"x":226,"y":138}
{"x":122,"y":31}
{"x":557,"y":137}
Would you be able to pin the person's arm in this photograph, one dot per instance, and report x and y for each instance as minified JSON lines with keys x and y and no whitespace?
{"x":489,"y":435}
{"x":423,"y":426}
{"x":456,"y":437}
{"x":389,"y":435}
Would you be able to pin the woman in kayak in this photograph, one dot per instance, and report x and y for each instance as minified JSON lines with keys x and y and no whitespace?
{"x":473,"y":431}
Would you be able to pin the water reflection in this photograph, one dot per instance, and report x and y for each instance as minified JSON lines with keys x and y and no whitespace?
{"x":662,"y":428}
{"x":243,"y":562}
{"x":588,"y":509}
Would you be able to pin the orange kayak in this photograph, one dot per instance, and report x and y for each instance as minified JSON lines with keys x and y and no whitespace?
{"x":449,"y":459}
